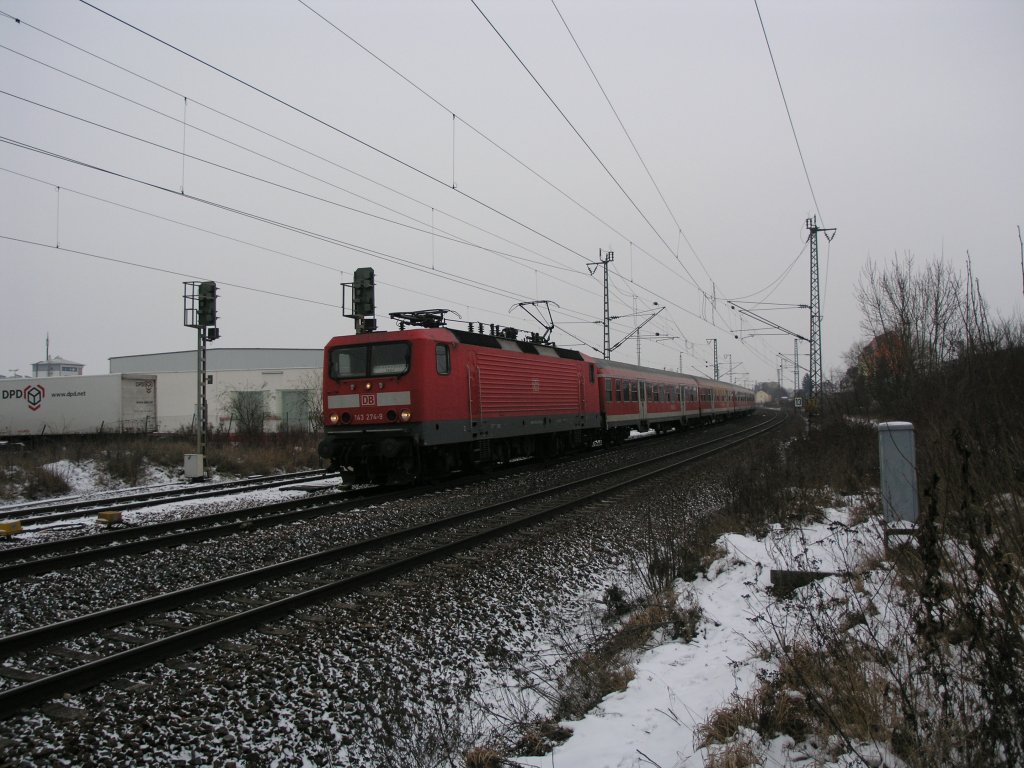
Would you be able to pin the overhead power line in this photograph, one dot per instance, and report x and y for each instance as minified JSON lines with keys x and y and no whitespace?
{"x":632,"y":143}
{"x":162,"y":270}
{"x":586,"y":144}
{"x":351,"y":246}
{"x":253,"y":177}
{"x":272,"y":222}
{"x":330,"y":126}
{"x":243,"y":122}
{"x":448,"y":110}
{"x":176,"y":222}
{"x":549,"y":262}
{"x":792,"y":125}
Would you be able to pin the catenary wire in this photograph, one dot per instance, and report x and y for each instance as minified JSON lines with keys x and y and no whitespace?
{"x":449,"y":277}
{"x":349,"y":245}
{"x":636,"y":149}
{"x":575,"y":130}
{"x":792,"y":125}
{"x":253,"y":177}
{"x":516,"y":159}
{"x":163,"y":270}
{"x":193,"y":127}
{"x":170,"y":150}
{"x":330,"y":126}
{"x":169,"y":220}
{"x":263,"y":219}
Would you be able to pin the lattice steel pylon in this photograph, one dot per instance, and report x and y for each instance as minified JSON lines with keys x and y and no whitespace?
{"x":796,"y":365}
{"x":605,"y":260}
{"x":815,"y":355}
{"x":714,"y":345}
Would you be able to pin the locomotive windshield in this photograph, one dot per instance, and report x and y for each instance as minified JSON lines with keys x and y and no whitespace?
{"x":369,"y":360}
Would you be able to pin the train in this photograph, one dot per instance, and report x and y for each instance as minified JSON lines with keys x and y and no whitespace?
{"x":419,"y":403}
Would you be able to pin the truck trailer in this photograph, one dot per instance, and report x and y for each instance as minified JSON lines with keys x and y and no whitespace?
{"x":77,"y":405}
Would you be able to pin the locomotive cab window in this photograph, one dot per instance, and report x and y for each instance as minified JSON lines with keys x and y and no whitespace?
{"x":369,"y":360}
{"x":443,"y":359}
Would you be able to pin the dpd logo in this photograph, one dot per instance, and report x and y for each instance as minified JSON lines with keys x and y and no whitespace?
{"x":34,"y":395}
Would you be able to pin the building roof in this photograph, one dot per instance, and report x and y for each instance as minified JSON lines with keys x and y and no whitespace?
{"x":220,"y":359}
{"x":57,"y":360}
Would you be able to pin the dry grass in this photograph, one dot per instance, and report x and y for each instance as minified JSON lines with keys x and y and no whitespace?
{"x":42,"y":482}
{"x":484,"y":757}
{"x":940,"y":679}
{"x":127,"y":458}
{"x":738,"y":753}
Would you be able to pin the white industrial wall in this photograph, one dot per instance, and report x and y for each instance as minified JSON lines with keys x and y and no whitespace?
{"x":176,"y":392}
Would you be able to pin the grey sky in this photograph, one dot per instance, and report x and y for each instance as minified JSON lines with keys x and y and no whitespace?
{"x":908,"y":114}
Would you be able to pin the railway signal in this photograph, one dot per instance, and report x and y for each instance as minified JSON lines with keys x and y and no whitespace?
{"x":207,"y":314}
{"x":201,"y":314}
{"x":363,"y":303}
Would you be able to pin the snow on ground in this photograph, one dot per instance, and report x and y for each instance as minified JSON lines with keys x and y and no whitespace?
{"x":85,"y":478}
{"x":678,"y":685}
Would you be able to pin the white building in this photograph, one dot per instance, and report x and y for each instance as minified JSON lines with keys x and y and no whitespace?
{"x":56,"y":366}
{"x":282,"y":384}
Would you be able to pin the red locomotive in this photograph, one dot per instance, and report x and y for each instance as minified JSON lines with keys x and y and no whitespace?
{"x":418,"y":403}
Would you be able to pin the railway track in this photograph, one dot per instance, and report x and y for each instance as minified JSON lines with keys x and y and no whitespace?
{"x":80,"y":550}
{"x":134,"y":635}
{"x":34,"y":514}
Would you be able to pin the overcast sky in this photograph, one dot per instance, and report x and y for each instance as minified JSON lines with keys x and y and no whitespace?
{"x":466,"y":151}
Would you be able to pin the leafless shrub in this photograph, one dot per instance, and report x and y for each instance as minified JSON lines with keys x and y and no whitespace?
{"x":128,"y":459}
{"x":42,"y":482}
{"x":125,"y":460}
{"x":587,"y":679}
{"x":451,"y":732}
{"x":247,"y":410}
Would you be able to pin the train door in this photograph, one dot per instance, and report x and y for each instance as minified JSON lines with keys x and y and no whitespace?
{"x":644,"y":389}
{"x":475,"y":405}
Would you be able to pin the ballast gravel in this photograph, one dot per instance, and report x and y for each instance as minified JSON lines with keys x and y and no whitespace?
{"x":391,"y":675}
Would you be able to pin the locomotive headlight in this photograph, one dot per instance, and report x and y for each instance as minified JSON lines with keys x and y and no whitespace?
{"x":369,"y":386}
{"x":333,"y":418}
{"x":405,"y":415}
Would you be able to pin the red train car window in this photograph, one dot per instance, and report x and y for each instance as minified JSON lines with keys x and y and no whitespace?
{"x":348,"y":362}
{"x":354,"y":362}
{"x":443,"y":359}
{"x":389,"y":359}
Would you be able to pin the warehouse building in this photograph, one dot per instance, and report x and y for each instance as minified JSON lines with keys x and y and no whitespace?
{"x":248,"y":390}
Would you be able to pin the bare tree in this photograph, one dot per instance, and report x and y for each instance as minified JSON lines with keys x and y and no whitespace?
{"x":248,"y":411}
{"x":313,"y":400}
{"x":917,"y":322}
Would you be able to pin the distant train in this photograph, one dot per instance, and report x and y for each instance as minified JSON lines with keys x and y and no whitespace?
{"x":411,"y":404}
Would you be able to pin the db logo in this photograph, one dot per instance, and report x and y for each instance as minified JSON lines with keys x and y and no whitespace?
{"x":370,"y":399}
{"x":34,"y":395}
